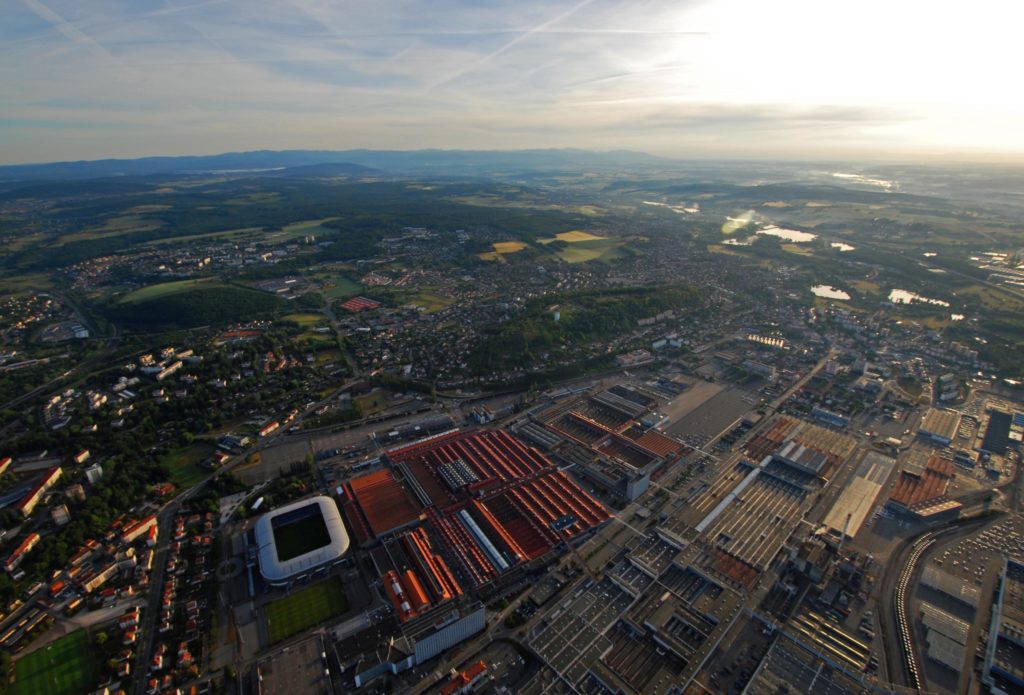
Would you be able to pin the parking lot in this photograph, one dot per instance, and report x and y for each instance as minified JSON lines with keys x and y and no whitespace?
{"x":298,"y":669}
{"x":971,"y":558}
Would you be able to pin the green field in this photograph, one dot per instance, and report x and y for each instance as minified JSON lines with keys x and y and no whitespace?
{"x":304,"y":609}
{"x":584,"y":246}
{"x":163,"y":289}
{"x":502,"y":248}
{"x":239,"y":235}
{"x":305,"y":319}
{"x":25,"y":282}
{"x":372,"y":402}
{"x":583,"y":251}
{"x":300,"y":536}
{"x":65,"y":667}
{"x":183,"y":463}
{"x":298,"y":229}
{"x":339,"y":286}
{"x":428,"y":301}
{"x":191,"y":303}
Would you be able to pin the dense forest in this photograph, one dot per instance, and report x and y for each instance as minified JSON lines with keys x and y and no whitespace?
{"x":195,"y":307}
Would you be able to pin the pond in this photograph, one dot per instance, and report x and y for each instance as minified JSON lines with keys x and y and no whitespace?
{"x":829,"y":292}
{"x":907,"y":297}
{"x":791,"y":235}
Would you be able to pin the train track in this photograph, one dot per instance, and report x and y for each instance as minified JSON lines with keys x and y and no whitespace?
{"x":903,"y":624}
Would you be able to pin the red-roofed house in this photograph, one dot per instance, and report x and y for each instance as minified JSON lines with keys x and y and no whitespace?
{"x":466,"y":681}
{"x":30,"y":500}
{"x":138,"y":528}
{"x":21,"y":551}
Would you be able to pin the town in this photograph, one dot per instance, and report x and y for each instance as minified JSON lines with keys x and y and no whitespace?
{"x":411,"y":438}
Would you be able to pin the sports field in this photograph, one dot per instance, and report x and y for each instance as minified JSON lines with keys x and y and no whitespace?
{"x":300,"y":536}
{"x":66,"y":667}
{"x":304,"y":609}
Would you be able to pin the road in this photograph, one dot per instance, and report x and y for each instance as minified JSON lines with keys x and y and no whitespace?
{"x":147,"y":624}
{"x":800,"y":383}
{"x":899,"y":571}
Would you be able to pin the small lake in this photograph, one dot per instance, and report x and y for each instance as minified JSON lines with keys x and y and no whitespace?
{"x":792,"y":235}
{"x":829,"y":292}
{"x":842,"y":247}
{"x":907,"y":297}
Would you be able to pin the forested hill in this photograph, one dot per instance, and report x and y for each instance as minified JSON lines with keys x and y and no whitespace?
{"x":266,"y":162}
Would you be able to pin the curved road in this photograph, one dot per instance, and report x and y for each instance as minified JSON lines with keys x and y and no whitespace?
{"x":897,"y":581}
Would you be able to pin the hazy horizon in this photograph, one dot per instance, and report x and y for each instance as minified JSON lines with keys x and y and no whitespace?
{"x":729,"y":79}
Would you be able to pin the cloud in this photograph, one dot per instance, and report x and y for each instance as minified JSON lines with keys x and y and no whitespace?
{"x":665,"y":76}
{"x":69,"y":30}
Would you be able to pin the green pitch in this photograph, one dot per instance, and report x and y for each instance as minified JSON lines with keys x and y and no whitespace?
{"x":304,"y":609}
{"x":65,"y":667}
{"x":300,"y":537}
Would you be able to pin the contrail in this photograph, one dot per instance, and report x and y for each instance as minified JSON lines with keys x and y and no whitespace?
{"x":68,"y":29}
{"x":543,"y":26}
{"x":183,"y":8}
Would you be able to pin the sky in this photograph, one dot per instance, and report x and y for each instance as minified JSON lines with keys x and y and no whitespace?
{"x":874,"y":79}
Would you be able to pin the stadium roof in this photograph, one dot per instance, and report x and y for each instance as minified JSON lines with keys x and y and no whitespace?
{"x":272,"y":569}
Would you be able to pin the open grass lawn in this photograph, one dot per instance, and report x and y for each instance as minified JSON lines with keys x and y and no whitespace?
{"x":316,"y":341}
{"x":339,"y":286}
{"x":584,"y":246}
{"x":582,"y":251}
{"x":239,"y":235}
{"x":429,"y":301}
{"x":305,"y":608}
{"x":305,"y":319}
{"x":297,"y":229}
{"x":372,"y":402}
{"x":797,"y":249}
{"x":866,"y":287}
{"x":65,"y":667}
{"x":508,"y":246}
{"x":574,"y":237}
{"x":25,"y":282}
{"x":501,"y":249}
{"x":184,"y":463}
{"x":162,"y":289}
{"x":327,"y":356}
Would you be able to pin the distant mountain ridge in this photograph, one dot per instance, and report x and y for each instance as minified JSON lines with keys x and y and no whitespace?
{"x":358,"y":162}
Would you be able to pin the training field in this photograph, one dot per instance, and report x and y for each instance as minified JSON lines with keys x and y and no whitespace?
{"x":66,"y":667}
{"x":304,"y":609}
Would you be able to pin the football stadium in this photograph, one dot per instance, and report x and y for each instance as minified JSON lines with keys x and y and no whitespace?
{"x":299,"y":539}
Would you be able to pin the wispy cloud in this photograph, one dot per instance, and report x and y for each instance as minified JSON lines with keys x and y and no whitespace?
{"x":67,"y":29}
{"x":117,"y":77}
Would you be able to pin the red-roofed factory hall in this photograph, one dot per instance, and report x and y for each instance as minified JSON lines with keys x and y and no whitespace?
{"x":489,"y":502}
